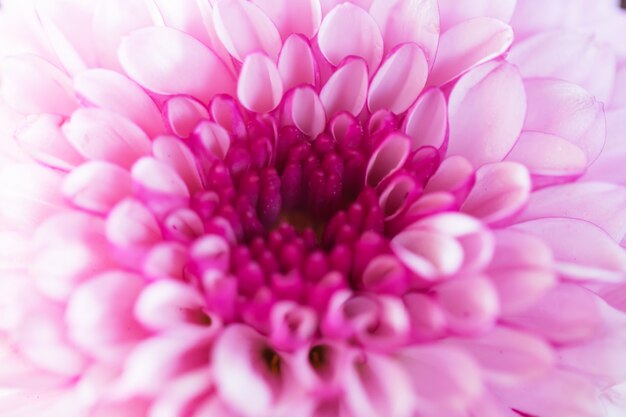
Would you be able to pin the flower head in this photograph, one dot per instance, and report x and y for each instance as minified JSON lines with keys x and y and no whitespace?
{"x":314,"y":208}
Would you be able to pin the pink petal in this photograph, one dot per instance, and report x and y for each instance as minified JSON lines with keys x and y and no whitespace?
{"x":293,"y":16}
{"x":183,"y":115}
{"x":454,"y":12}
{"x":243,"y":28}
{"x":260,"y":88}
{"x":618,"y":99}
{"x":165,"y":260}
{"x":403,"y":21}
{"x":594,"y":202}
{"x":500,"y":191}
{"x":183,"y":393}
{"x":608,"y":165}
{"x":292,"y":325}
{"x":367,"y":395}
{"x":454,"y":173}
{"x":32,"y":85}
{"x":467,"y":45}
{"x":399,"y":80}
{"x":361,"y":37}
{"x":112,"y":91}
{"x":428,"y":254}
{"x":568,"y":55}
{"x":167,"y":304}
{"x":509,"y":356}
{"x":566,"y":110}
{"x":112,"y":20}
{"x":547,"y":156}
{"x":397,"y":194}
{"x":388,"y":158}
{"x":130,"y":223}
{"x":65,"y":24}
{"x":157,"y":176}
{"x":521,"y":270}
{"x":214,"y":138}
{"x":346,"y":90}
{"x":296,"y":63}
{"x":427,"y":121}
{"x":191,"y":17}
{"x":41,"y":138}
{"x":29,"y":194}
{"x":581,"y":249}
{"x":177,"y":155}
{"x":484,"y":123}
{"x":552,"y":394}
{"x":384,"y":274}
{"x":567,"y":314}
{"x":238,"y":371}
{"x":307,"y":111}
{"x":97,"y":186}
{"x":100,"y":314}
{"x":156,"y":361}
{"x":470,"y":304}
{"x":444,"y":379}
{"x":166,"y":61}
{"x":106,"y":136}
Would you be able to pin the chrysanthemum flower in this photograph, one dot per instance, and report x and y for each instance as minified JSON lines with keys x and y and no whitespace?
{"x":309,"y":208}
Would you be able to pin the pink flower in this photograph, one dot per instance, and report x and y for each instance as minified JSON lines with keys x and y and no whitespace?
{"x":312,"y":208}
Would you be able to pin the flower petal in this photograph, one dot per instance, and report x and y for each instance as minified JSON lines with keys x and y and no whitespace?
{"x":167,"y":61}
{"x":32,"y":85}
{"x":454,"y":12}
{"x":183,"y":115}
{"x":97,"y":186}
{"x":467,"y":45}
{"x":106,"y":136}
{"x":566,"y":110}
{"x":307,"y":111}
{"x":159,"y":177}
{"x":41,"y":138}
{"x":296,"y":63}
{"x":243,"y":28}
{"x":399,"y":80}
{"x":403,"y":21}
{"x":260,"y":88}
{"x":130,"y":223}
{"x":500,"y":191}
{"x":484,"y":123}
{"x":361,"y":37}
{"x":387,"y":158}
{"x":581,"y":249}
{"x":112,"y":91}
{"x":427,"y":121}
{"x":346,"y":90}
{"x":293,"y":16}
{"x":100,"y":314}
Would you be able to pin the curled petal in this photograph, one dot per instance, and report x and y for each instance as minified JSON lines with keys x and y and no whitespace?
{"x":427,"y":121}
{"x":296,"y":63}
{"x":388,"y":158}
{"x":399,"y":80}
{"x":260,"y":87}
{"x":130,"y":223}
{"x":178,"y":156}
{"x":167,"y":61}
{"x":183,"y":115}
{"x":346,"y":90}
{"x":307,"y":111}
{"x":453,"y":12}
{"x":500,"y":191}
{"x":362,"y":38}
{"x":156,"y":176}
